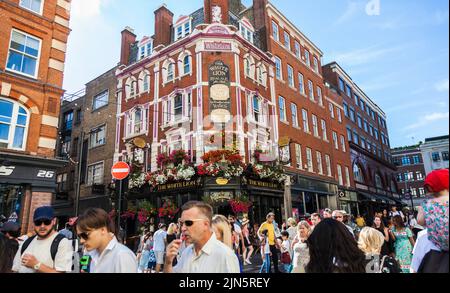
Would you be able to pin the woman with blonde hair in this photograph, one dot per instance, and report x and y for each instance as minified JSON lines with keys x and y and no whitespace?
{"x":222,"y":228}
{"x":300,"y":248}
{"x":370,"y":242}
{"x":292,"y":230}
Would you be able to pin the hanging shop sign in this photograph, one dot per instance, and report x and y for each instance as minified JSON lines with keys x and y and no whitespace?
{"x":219,"y":92}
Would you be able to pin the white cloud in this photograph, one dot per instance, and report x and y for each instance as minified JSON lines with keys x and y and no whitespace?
{"x":352,"y":9}
{"x":429,"y":119}
{"x":363,"y":56}
{"x":442,"y":86}
{"x":88,"y":8}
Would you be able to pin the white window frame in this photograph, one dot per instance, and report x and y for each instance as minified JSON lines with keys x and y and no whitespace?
{"x":278,"y":68}
{"x":319,"y":162}
{"x":309,"y":160}
{"x":291,"y":80}
{"x":331,"y":109}
{"x":298,"y":156}
{"x":324,"y":130}
{"x":316,"y":64}
{"x":298,"y":51}
{"x":343,"y":146}
{"x":294,"y":111}
{"x":145,"y":49}
{"x":13,"y":125}
{"x":305,"y":120}
{"x":328,"y":165}
{"x":38,"y":58}
{"x":339,"y":114}
{"x":282,"y":100}
{"x":307,"y":58}
{"x":275,"y":31}
{"x":29,"y":8}
{"x":184,"y":33}
{"x":311,"y":91}
{"x":301,"y":84}
{"x":335,"y":140}
{"x":287,"y":41}
{"x":340,"y":175}
{"x":91,"y":181}
{"x":347,"y":177}
{"x":245,"y":32}
{"x":315,"y":123}
{"x":319,"y":95}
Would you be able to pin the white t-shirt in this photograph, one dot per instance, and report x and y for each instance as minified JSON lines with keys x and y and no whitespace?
{"x":40,"y":249}
{"x":158,"y":241}
{"x":115,"y":259}
{"x":422,"y":247}
{"x":238,"y":230}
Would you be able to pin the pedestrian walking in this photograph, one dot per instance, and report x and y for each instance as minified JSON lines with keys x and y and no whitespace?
{"x":300,"y":248}
{"x":292,"y":228}
{"x":145,"y":252}
{"x":327,"y":213}
{"x":172,"y":233}
{"x":339,"y":216}
{"x":248,"y":251}
{"x":333,"y":250}
{"x":371,"y":242}
{"x":67,"y":231}
{"x":206,"y":254}
{"x":47,"y":251}
{"x":266,"y":251}
{"x":270,"y":227}
{"x":286,"y":254}
{"x":315,"y":219}
{"x":403,"y":243}
{"x":12,"y":232}
{"x":95,"y":231}
{"x":159,"y":246}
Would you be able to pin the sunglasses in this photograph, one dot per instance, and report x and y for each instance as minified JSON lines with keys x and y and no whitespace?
{"x":189,"y":223}
{"x":84,"y":235}
{"x":39,"y":223}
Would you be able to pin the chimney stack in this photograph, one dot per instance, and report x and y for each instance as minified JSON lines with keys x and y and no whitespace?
{"x":260,"y":14}
{"x":163,"y":26}
{"x":224,"y":7}
{"x":128,"y":38}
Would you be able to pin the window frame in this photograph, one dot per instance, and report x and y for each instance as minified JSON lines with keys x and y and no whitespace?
{"x":13,"y":125}
{"x":106,"y":92}
{"x":38,"y":57}
{"x":92,"y":183}
{"x":41,"y":8}
{"x":282,"y":101}
{"x":95,"y":134}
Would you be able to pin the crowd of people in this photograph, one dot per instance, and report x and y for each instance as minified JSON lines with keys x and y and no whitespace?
{"x":331,"y":241}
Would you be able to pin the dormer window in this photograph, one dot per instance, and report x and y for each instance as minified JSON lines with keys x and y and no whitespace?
{"x":183,"y":27}
{"x":246,"y":29}
{"x":145,"y":48}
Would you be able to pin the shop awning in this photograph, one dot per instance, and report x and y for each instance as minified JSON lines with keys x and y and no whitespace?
{"x":369,"y":197}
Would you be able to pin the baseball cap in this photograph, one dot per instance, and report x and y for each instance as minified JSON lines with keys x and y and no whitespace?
{"x":10,"y":227}
{"x":437,"y":181}
{"x":43,"y":213}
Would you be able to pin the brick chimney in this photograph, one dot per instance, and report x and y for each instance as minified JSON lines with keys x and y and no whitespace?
{"x":128,"y":38}
{"x":260,"y":14}
{"x":163,"y":26}
{"x":223,"y":4}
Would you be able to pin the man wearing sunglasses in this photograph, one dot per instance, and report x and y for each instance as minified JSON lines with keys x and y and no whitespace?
{"x":206,"y":254}
{"x":47,"y":251}
{"x":339,"y":216}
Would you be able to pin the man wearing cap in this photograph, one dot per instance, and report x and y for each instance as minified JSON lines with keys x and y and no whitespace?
{"x":35,"y":256}
{"x":12,"y":231}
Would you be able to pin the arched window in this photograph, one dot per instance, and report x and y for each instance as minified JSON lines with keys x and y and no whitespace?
{"x":261,"y":72}
{"x":14,"y":120}
{"x":249,"y":66}
{"x":170,"y":72}
{"x":187,"y":65}
{"x":144,"y":81}
{"x":357,"y":173}
{"x":137,"y":121}
{"x":378,"y":181}
{"x":132,"y":88}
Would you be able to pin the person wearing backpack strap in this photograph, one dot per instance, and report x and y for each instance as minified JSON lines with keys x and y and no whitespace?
{"x":47,"y":251}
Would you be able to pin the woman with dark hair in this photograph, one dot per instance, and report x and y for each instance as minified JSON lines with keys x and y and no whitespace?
{"x":7,"y":252}
{"x":403,"y":243}
{"x":379,"y":225}
{"x":333,"y":249}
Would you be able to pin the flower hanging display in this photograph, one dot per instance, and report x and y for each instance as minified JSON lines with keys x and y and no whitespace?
{"x":240,"y":204}
{"x":169,"y":210}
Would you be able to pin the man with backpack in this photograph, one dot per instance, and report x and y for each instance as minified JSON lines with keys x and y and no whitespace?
{"x":47,"y":251}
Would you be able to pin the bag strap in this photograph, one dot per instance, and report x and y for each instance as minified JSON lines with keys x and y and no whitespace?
{"x":26,"y":244}
{"x":55,"y":245}
{"x":382,"y":263}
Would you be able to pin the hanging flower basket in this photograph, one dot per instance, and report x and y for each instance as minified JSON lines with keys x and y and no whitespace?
{"x":168,"y":210}
{"x":240,"y":204}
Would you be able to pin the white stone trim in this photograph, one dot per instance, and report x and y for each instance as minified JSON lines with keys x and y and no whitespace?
{"x":58,"y":45}
{"x":64,"y":4}
{"x":62,"y":21}
{"x":55,"y":64}
{"x":50,"y":121}
{"x":48,"y":143}
{"x":23,"y":99}
{"x":6,"y":89}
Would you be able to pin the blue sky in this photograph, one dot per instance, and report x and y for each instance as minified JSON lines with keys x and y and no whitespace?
{"x":397,"y":51}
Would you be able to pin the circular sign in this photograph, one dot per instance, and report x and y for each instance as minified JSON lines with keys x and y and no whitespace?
{"x":139,"y":142}
{"x":120,"y":171}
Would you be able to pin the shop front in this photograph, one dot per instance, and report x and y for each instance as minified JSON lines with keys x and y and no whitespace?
{"x":26,"y":182}
{"x":348,"y":201}
{"x":312,"y":196}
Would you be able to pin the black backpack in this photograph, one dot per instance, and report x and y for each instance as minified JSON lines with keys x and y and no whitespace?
{"x":53,"y":247}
